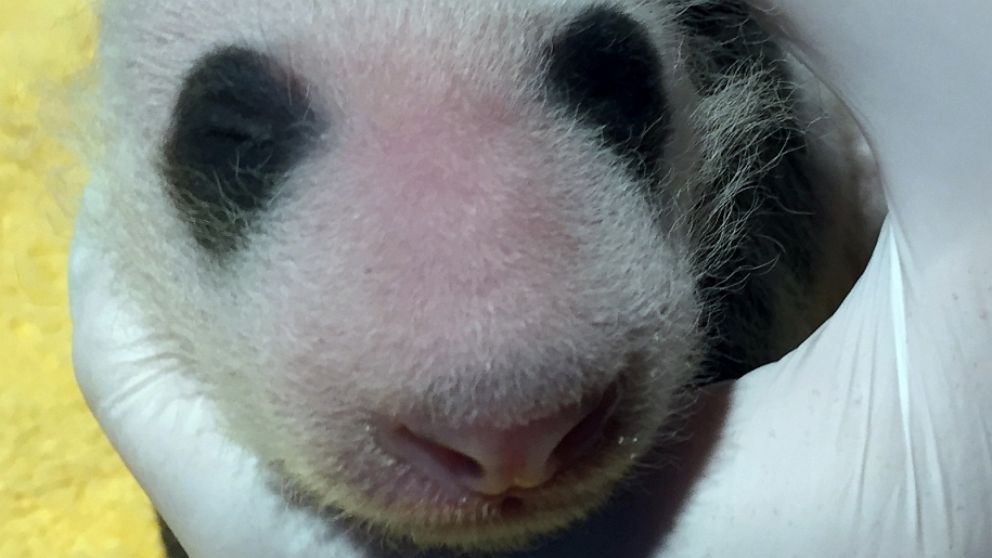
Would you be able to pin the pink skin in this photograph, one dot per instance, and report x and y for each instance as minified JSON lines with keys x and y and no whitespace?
{"x":454,"y":278}
{"x":452,"y":259}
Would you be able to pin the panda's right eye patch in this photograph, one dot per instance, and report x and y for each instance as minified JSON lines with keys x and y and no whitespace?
{"x":238,"y":125}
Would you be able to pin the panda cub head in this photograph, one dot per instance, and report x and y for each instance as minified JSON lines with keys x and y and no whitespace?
{"x":437,"y":262}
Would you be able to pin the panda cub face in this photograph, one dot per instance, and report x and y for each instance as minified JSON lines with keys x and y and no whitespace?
{"x":430,"y":258}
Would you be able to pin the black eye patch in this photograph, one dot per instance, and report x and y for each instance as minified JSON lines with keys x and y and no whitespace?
{"x":604,"y":66}
{"x":239,"y":124}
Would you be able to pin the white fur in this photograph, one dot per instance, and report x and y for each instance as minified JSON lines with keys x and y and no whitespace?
{"x":454,"y":250}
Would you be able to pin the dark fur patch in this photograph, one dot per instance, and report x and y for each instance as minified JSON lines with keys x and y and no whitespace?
{"x":778,"y":208}
{"x":239,"y":125}
{"x":605,"y":67}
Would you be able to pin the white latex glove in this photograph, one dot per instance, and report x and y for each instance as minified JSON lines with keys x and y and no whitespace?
{"x":872,"y":439}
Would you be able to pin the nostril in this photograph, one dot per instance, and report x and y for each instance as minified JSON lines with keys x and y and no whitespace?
{"x":493,"y":461}
{"x":436,"y":457}
{"x":589,"y":431}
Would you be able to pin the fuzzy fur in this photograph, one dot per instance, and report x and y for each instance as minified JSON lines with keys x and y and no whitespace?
{"x":386,"y":280}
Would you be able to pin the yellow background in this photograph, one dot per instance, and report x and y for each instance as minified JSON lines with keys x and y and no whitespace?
{"x":63,"y":491}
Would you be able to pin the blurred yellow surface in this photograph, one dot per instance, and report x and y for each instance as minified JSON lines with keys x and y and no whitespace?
{"x":63,"y":491}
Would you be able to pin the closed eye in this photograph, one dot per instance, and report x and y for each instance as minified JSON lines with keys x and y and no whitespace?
{"x":605,"y":68}
{"x":239,"y":124}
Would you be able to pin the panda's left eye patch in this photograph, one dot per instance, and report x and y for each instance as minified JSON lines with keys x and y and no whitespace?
{"x":239,"y":125}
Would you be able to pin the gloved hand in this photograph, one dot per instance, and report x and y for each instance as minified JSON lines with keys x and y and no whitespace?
{"x":875,"y":437}
{"x":872,"y":439}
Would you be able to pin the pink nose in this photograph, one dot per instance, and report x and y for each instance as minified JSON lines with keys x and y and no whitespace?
{"x":492,"y":461}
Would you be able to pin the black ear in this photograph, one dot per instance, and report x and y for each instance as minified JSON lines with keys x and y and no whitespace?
{"x":239,"y":124}
{"x":605,"y":66}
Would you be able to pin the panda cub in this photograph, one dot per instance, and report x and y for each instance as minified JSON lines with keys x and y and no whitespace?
{"x":449,"y":267}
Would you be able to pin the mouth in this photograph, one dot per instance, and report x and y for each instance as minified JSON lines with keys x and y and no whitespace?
{"x":422,"y":506}
{"x":393,"y":480}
